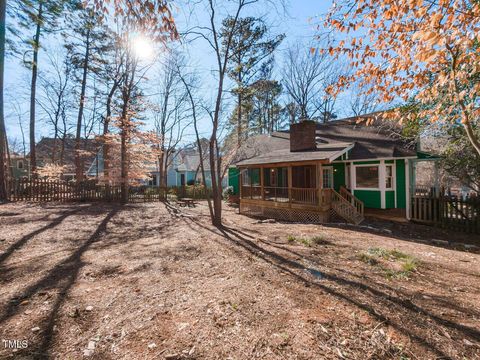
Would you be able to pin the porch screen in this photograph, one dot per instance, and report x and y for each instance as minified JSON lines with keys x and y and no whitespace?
{"x":251,"y":177}
{"x":367,"y":177}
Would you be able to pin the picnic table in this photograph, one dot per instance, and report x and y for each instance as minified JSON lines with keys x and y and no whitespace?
{"x":186,"y":202}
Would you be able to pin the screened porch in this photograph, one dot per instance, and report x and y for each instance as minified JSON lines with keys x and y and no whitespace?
{"x":304,"y":184}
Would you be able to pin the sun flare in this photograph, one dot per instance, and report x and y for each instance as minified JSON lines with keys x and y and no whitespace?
{"x":143,"y":47}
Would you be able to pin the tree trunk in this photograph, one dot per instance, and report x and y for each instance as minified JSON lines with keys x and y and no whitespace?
{"x":126,"y":95}
{"x":162,"y":169}
{"x":106,"y":145}
{"x":239,"y":120}
{"x":78,"y":142}
{"x":124,"y":162}
{"x":3,"y":135}
{"x":216,"y":192}
{"x":33,"y":88}
{"x":472,"y":137}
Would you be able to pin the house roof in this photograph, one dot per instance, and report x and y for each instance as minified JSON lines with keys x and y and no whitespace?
{"x":191,"y":162}
{"x":373,"y":141}
{"x":323,"y":152}
{"x":44,"y":149}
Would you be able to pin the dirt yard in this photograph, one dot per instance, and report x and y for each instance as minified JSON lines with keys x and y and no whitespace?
{"x":147,"y":282}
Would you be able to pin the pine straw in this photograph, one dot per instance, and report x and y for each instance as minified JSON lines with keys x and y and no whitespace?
{"x":163,"y":283}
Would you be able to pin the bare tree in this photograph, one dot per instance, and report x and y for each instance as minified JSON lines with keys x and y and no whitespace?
{"x":3,"y":134}
{"x":169,"y":112}
{"x":222,"y":45}
{"x":362,"y":102}
{"x":55,"y":100}
{"x":190,"y":84}
{"x":306,"y":77}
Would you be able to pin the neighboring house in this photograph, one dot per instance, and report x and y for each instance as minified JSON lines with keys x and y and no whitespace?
{"x":50,"y":150}
{"x":316,"y":170}
{"x":183,"y":169}
{"x":20,"y":166}
{"x":189,"y":172}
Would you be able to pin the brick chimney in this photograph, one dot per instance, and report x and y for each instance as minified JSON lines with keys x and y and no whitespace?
{"x":302,"y":136}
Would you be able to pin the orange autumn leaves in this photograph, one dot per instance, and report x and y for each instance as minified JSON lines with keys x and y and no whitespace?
{"x":403,"y":49}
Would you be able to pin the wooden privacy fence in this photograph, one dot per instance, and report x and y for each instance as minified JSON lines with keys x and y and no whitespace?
{"x":43,"y":190}
{"x":449,"y":212}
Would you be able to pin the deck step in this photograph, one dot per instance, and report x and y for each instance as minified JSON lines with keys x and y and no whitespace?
{"x":344,"y":209}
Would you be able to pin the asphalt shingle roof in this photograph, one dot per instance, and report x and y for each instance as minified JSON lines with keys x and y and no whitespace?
{"x":375,"y":141}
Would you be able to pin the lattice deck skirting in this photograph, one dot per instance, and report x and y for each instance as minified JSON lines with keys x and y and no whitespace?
{"x":294,"y":215}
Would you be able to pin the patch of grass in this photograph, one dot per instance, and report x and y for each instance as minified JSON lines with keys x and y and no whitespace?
{"x":380,"y":258}
{"x":410,"y":265}
{"x":317,"y":240}
{"x":387,"y":254}
{"x":378,"y":252}
{"x":368,"y":259}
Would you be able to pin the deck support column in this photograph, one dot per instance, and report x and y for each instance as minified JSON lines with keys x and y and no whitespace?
{"x":262,"y":182}
{"x":318,"y":178}
{"x":290,"y":177}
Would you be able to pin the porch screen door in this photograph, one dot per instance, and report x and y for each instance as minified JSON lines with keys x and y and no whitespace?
{"x":327,"y":177}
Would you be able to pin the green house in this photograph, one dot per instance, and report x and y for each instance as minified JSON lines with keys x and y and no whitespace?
{"x":316,"y":171}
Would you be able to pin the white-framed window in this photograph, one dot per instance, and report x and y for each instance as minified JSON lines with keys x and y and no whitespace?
{"x":367,"y":177}
{"x":388,"y":176}
{"x":327,"y":177}
{"x":20,"y":164}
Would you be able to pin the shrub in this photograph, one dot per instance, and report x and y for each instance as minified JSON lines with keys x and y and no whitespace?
{"x":227,"y":192}
{"x":191,"y":182}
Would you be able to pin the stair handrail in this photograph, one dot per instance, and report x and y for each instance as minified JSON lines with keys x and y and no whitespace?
{"x":356,"y":202}
{"x":344,"y":208}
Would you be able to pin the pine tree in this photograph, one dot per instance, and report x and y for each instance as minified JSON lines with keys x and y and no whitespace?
{"x":251,"y":48}
{"x":88,"y":40}
{"x":40,"y":17}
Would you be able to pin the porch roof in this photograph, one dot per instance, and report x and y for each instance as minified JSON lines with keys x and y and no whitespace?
{"x":327,"y":152}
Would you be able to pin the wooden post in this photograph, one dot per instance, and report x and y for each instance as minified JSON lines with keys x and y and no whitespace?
{"x":290,"y":183}
{"x":240,"y":182}
{"x":262,"y":183}
{"x":317,"y":183}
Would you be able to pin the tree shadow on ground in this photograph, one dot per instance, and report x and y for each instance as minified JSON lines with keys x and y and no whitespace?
{"x":24,"y":240}
{"x":61,"y":278}
{"x":379,"y":304}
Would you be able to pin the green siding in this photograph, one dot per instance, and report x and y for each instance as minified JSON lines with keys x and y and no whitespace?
{"x":234,"y":180}
{"x":390,"y":199}
{"x":401,"y":184}
{"x":371,"y":198}
{"x":338,"y":175}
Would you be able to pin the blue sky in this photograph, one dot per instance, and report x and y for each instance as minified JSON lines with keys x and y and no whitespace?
{"x":294,"y":23}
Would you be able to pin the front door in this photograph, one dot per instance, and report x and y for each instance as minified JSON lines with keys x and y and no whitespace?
{"x":327,"y":177}
{"x":182,"y":179}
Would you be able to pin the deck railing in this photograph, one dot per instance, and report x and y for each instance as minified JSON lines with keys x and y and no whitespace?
{"x":352,"y":199}
{"x":307,"y":196}
{"x":277,"y":194}
{"x":252,"y":192}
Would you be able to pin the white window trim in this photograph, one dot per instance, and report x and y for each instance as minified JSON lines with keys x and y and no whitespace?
{"x":332,"y":178}
{"x":354,"y":178}
{"x":382,"y":171}
{"x":394,"y":176}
